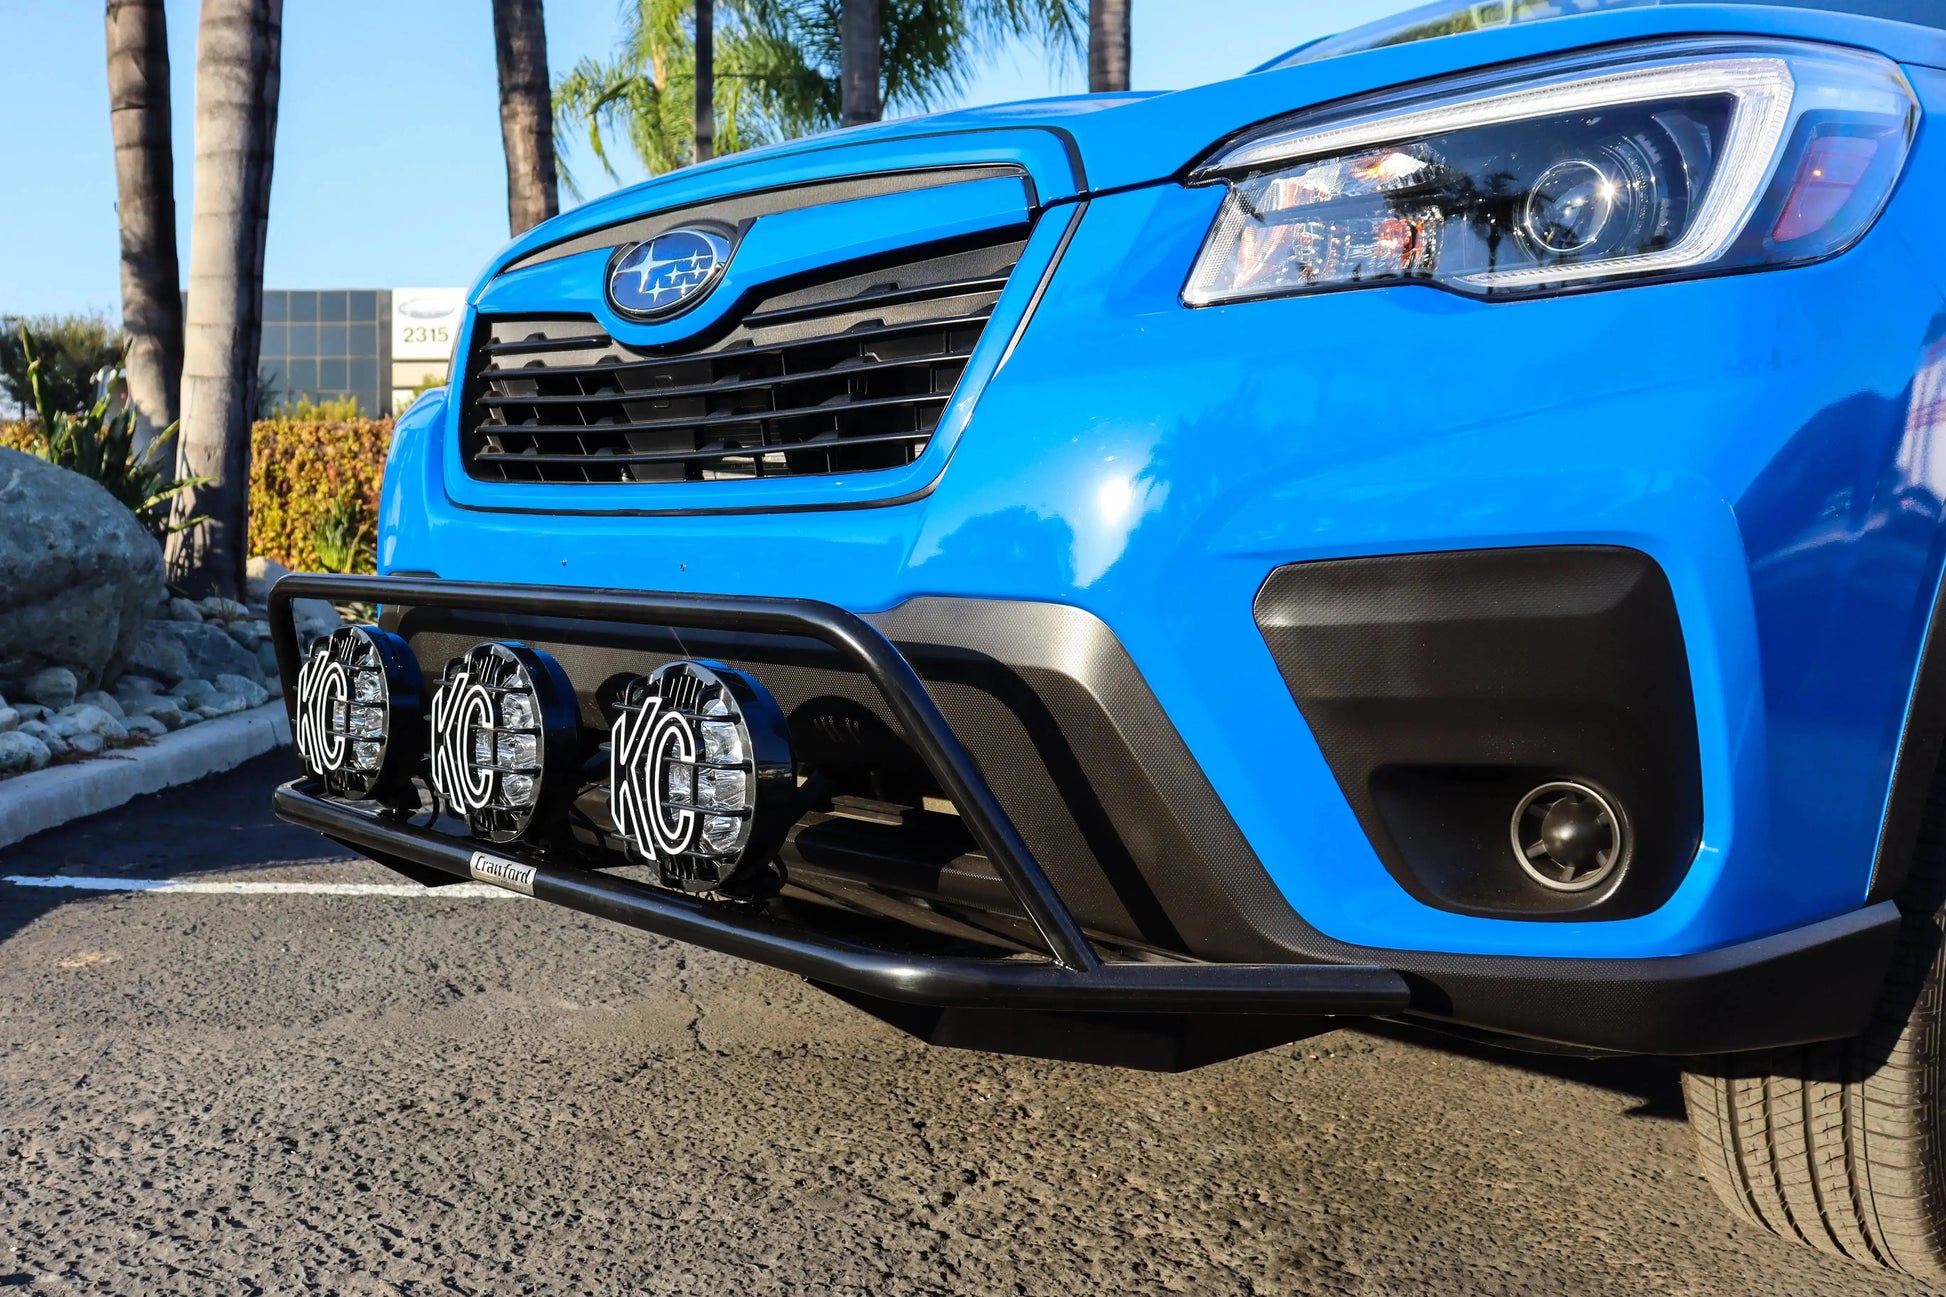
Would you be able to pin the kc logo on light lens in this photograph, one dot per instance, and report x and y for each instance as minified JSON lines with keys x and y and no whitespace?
{"x":503,"y":733}
{"x":701,"y":779}
{"x":357,"y":699}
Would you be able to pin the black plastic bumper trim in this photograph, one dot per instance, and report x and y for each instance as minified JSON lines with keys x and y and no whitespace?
{"x":1320,"y":989}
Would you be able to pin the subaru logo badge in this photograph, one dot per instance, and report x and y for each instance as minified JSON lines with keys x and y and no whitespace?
{"x":667,"y":273}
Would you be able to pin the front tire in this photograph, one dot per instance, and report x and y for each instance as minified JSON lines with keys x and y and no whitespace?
{"x":1839,"y":1144}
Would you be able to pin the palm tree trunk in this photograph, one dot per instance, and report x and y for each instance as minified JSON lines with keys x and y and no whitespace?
{"x":705,"y":80}
{"x":526,"y":113}
{"x":238,"y":56}
{"x":1108,"y":45}
{"x":145,"y":182}
{"x":858,"y":60}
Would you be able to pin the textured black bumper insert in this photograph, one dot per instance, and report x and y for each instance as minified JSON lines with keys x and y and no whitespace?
{"x":1441,"y":688}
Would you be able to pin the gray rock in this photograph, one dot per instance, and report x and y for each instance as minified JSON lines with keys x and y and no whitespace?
{"x":160,"y":655}
{"x":87,"y":744}
{"x":267,"y":660}
{"x":184,"y":610}
{"x":217,"y":608}
{"x":172,"y":717}
{"x":244,"y":633}
{"x":194,"y":691}
{"x":314,"y":618}
{"x":259,"y":574}
{"x":9,"y":718}
{"x":32,"y":711}
{"x":147,"y":727}
{"x":140,"y":686}
{"x":53,"y":687}
{"x":20,"y":753}
{"x":206,"y":651}
{"x":99,"y":699}
{"x":248,"y":690}
{"x":80,"y":573}
{"x":166,"y":710}
{"x":221,"y":705}
{"x":86,"y":718}
{"x":56,"y":745}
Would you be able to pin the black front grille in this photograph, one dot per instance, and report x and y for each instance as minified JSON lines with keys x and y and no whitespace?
{"x":845,"y":375}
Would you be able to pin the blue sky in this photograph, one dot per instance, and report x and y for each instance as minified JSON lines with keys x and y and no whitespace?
{"x":388,"y":167}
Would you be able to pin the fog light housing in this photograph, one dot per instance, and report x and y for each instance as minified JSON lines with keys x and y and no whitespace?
{"x":1568,"y":837}
{"x":505,"y":739}
{"x":358,"y":710}
{"x":701,"y":777}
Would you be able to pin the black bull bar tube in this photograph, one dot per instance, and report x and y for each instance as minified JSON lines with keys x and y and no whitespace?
{"x":1073,"y":978}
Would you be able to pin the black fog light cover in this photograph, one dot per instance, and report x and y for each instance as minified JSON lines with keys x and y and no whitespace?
{"x":505,"y":739}
{"x":702,"y":783}
{"x":358,"y":710}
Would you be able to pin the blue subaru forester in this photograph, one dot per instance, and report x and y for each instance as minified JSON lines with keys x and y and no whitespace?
{"x":1446,"y":526}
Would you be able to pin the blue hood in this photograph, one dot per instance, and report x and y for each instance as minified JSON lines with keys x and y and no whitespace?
{"x":1080,"y":144}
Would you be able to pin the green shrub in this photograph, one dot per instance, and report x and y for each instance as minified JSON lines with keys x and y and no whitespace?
{"x":99,"y":444}
{"x":341,"y":537}
{"x":343,"y":409}
{"x":73,"y":350}
{"x":315,"y":481}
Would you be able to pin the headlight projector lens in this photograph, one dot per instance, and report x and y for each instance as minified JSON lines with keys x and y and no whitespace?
{"x":358,"y":710}
{"x":701,"y":777}
{"x":1568,"y":837}
{"x":505,"y":739}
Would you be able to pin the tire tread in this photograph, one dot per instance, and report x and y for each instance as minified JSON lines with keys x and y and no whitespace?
{"x":1839,"y":1144}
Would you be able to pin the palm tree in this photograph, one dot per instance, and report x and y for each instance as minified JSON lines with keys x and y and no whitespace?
{"x":778,"y":68}
{"x":705,"y":80}
{"x":526,"y":116}
{"x":1108,"y":45}
{"x":238,"y":56}
{"x":145,"y":182}
{"x":860,"y":35}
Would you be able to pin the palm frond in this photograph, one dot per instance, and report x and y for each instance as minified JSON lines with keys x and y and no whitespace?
{"x":777,"y":69}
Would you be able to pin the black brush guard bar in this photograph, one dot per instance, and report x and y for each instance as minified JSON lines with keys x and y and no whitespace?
{"x":1075,"y":978}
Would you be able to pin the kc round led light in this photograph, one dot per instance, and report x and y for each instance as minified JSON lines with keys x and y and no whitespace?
{"x":358,"y":704}
{"x":505,"y":740}
{"x":701,"y":775}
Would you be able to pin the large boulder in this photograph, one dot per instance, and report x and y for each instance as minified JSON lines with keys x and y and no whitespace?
{"x":79,"y":574}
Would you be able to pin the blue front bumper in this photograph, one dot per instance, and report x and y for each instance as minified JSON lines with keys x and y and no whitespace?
{"x":1758,"y":436}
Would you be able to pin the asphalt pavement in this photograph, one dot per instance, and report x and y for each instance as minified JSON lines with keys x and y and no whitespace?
{"x":240,"y":1091}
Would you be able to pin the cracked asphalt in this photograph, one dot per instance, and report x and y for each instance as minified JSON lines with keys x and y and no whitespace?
{"x":268,"y":1094}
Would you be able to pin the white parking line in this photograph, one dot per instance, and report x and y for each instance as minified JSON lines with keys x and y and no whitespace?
{"x":468,"y":891}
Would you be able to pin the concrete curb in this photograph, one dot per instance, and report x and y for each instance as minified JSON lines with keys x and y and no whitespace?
{"x":31,"y":804}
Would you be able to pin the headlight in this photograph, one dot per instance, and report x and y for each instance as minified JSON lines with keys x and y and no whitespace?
{"x":1695,"y":157}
